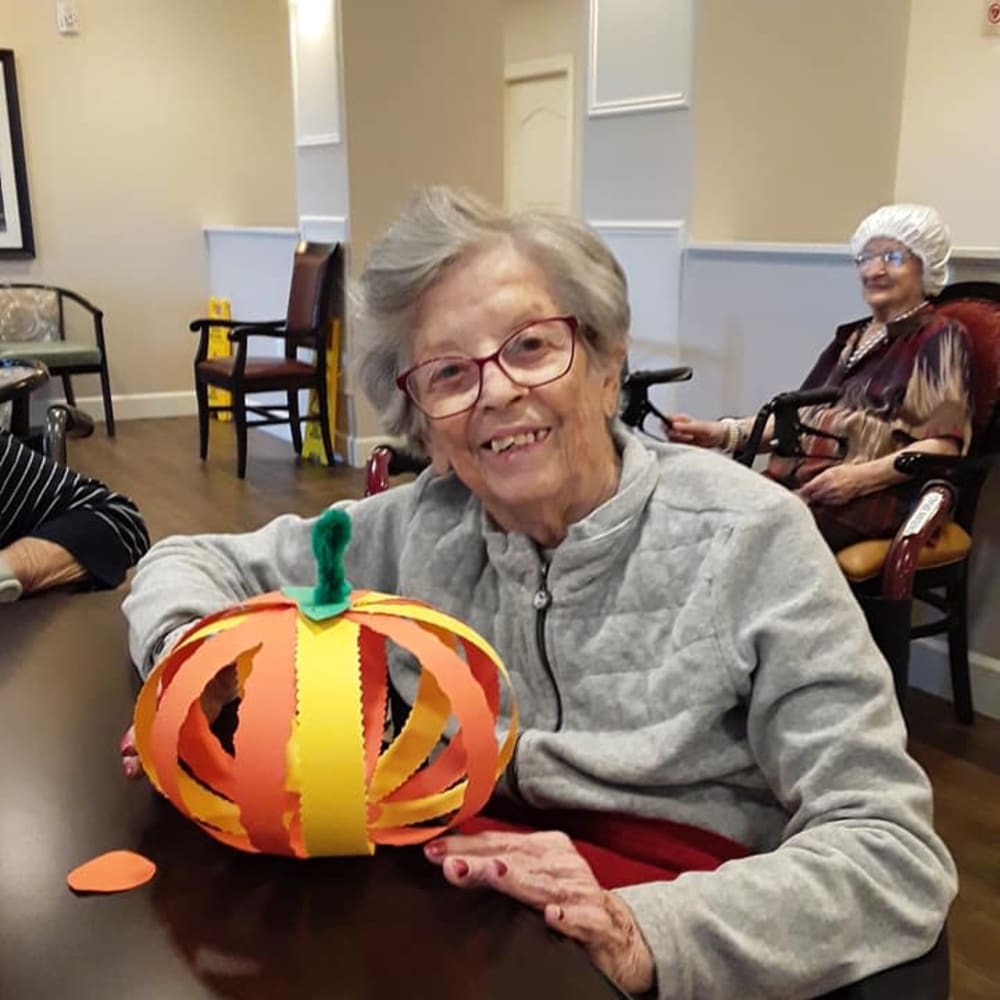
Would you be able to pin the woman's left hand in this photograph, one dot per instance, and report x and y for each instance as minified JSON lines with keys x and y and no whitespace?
{"x":544,"y":871}
{"x":834,"y":486}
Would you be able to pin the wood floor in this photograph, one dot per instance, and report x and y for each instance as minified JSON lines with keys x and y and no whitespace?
{"x":156,"y":463}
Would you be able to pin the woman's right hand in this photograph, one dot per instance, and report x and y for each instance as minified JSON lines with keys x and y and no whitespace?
{"x":684,"y":429}
{"x":223,"y":688}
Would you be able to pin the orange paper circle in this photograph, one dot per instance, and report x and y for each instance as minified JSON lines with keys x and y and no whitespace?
{"x":115,"y":871}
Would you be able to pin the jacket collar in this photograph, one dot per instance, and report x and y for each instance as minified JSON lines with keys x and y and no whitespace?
{"x":592,"y":545}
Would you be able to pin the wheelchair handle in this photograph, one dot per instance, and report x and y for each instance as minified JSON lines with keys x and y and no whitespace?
{"x":656,"y":376}
{"x":806,"y":397}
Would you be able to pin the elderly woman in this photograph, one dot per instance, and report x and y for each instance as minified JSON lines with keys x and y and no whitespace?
{"x":905,"y":385}
{"x":685,"y":653}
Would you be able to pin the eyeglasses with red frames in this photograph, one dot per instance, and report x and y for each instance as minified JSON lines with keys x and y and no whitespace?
{"x":535,"y":353}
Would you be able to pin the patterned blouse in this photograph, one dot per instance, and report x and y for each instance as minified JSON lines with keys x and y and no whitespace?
{"x":915,"y":385}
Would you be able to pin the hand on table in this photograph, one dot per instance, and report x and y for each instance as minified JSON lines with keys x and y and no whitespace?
{"x":683,"y":429}
{"x":220,"y":690}
{"x":544,"y":871}
{"x":37,"y":564}
{"x":834,"y":486}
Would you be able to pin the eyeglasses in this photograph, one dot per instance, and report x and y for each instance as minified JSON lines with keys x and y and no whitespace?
{"x":536,"y":353}
{"x":891,"y":258}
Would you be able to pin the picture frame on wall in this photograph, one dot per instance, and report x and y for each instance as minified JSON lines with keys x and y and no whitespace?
{"x":16,"y":235}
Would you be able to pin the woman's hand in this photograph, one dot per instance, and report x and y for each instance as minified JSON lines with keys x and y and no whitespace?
{"x":544,"y":871}
{"x":836,"y":485}
{"x":684,"y":429}
{"x":223,"y":688}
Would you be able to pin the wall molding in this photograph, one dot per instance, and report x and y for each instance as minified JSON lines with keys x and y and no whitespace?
{"x":317,"y":31}
{"x":323,"y":228}
{"x":265,"y":231}
{"x":929,"y":672}
{"x":651,"y":252}
{"x":988,"y":256}
{"x":672,"y":93}
{"x":320,"y":139}
{"x":533,"y":69}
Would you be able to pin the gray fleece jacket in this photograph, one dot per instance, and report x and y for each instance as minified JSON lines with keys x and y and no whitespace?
{"x":689,"y":651}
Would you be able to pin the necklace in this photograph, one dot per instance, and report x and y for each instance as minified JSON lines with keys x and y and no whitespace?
{"x":875,"y":334}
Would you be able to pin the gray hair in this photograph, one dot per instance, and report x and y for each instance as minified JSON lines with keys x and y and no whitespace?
{"x":441,"y":225}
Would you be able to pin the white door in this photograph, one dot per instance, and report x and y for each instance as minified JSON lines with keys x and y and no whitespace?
{"x":538,"y":135}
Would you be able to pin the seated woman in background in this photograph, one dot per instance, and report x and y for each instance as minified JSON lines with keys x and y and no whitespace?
{"x":57,"y":527}
{"x":905,"y":380}
{"x":690,"y":666}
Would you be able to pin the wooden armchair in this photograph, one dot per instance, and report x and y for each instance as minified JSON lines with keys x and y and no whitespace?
{"x":314,"y":301}
{"x":33,"y":323}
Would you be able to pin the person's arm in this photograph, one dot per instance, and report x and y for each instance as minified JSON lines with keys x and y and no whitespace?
{"x":860,"y":882}
{"x":57,"y":526}
{"x":37,"y":564}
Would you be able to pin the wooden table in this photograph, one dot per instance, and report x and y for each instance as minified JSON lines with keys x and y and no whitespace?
{"x":17,"y":381}
{"x":213,"y":922}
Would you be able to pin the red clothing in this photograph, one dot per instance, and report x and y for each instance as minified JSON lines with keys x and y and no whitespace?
{"x":621,"y":850}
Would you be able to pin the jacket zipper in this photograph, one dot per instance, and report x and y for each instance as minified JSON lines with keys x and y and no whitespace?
{"x":541,"y":602}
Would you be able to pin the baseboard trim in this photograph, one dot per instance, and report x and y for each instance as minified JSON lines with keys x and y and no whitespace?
{"x":138,"y":406}
{"x":929,"y":671}
{"x":358,"y":449}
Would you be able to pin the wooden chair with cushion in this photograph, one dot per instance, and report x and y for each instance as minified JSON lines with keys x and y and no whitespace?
{"x":314,"y":301}
{"x":942,"y":564}
{"x":33,"y":327}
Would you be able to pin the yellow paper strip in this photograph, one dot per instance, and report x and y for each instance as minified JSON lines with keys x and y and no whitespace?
{"x":330,"y":741}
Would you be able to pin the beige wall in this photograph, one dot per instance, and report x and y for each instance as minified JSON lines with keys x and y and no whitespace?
{"x":949,"y":147}
{"x":160,"y":118}
{"x":424,"y":104}
{"x":533,"y":29}
{"x":797,"y":109}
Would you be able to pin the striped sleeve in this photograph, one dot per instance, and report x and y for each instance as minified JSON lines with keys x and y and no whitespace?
{"x":101,"y":529}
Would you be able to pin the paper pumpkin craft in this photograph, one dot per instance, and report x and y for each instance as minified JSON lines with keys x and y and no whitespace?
{"x":309,"y":775}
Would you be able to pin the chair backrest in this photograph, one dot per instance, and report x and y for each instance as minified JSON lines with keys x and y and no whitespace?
{"x":317,"y":287}
{"x":976,"y":305}
{"x":30,"y":313}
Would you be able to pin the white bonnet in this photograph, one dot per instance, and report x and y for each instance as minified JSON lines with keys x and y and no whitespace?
{"x":920,"y":229}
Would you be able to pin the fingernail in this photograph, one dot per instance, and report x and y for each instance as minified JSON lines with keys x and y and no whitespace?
{"x":125,"y":744}
{"x":435,"y":849}
{"x":501,"y":868}
{"x":461,"y":868}
{"x":131,"y":768}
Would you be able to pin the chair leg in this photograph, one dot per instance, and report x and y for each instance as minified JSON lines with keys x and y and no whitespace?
{"x":958,"y":648}
{"x":240,"y":419}
{"x":324,"y":423}
{"x":68,"y":392}
{"x":109,"y":411}
{"x":201,"y":395}
{"x":294,"y":420}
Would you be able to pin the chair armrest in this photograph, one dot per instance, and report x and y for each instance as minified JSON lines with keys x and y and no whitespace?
{"x":196,"y":325}
{"x":923,"y":465}
{"x":246,"y":330}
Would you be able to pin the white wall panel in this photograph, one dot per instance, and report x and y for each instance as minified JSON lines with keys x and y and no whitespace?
{"x":640,"y":55}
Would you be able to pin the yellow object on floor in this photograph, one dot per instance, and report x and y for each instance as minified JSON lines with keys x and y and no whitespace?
{"x":312,"y":441}
{"x":219,"y":346}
